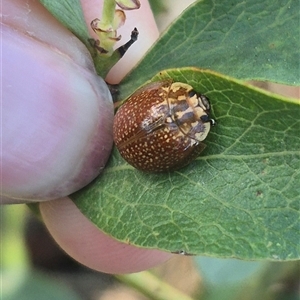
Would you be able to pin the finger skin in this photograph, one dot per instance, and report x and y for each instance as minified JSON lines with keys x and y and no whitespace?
{"x":87,"y":244}
{"x":57,"y":112}
{"x":73,"y":231}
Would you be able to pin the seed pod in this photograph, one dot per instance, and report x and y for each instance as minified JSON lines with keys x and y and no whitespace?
{"x":161,"y":126}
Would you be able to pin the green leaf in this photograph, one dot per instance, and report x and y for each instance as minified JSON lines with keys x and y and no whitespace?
{"x":69,"y":13}
{"x":240,"y":198}
{"x":242,"y":39}
{"x":158,"y":7}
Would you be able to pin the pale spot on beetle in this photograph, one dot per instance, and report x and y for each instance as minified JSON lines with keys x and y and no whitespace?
{"x":169,"y":120}
{"x":182,"y":97}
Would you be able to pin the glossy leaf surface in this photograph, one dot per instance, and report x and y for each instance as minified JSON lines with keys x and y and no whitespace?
{"x":246,"y":40}
{"x":240,"y":198}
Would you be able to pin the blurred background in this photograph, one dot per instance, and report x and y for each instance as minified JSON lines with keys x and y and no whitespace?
{"x":34,"y":267}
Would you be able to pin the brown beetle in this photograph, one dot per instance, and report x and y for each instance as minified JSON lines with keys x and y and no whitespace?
{"x":161,"y":126}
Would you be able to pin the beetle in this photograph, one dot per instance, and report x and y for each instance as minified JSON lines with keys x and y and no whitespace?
{"x":162,"y":125}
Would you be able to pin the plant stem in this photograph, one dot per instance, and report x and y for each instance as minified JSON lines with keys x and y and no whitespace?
{"x":108,"y":14}
{"x":14,"y":254}
{"x":152,"y":287}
